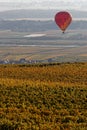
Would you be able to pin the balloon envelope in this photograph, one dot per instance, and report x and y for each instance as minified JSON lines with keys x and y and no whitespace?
{"x":63,"y":19}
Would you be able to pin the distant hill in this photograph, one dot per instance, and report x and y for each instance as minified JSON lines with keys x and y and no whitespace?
{"x":38,"y":20}
{"x":38,"y":14}
{"x":37,"y":25}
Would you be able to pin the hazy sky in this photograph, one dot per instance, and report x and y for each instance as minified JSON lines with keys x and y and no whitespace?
{"x":44,"y":4}
{"x":30,"y":0}
{"x":40,"y":0}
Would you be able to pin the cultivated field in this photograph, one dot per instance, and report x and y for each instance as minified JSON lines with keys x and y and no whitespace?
{"x":43,"y":97}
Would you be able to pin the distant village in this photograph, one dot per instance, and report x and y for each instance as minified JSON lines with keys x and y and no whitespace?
{"x":24,"y":61}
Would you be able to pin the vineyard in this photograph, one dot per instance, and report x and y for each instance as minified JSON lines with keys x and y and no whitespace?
{"x":43,"y":97}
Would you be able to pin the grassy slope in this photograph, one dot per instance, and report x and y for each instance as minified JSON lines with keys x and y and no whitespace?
{"x":43,"y":97}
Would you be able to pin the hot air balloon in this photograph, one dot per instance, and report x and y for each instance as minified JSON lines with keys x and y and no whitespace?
{"x":63,"y":19}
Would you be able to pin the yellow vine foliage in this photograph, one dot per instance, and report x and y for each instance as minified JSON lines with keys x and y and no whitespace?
{"x":43,"y":97}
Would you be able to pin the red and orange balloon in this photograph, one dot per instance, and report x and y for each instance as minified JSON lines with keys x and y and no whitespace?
{"x":63,"y":20}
